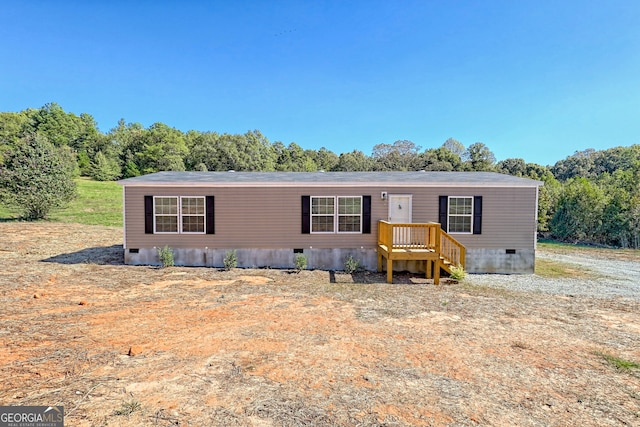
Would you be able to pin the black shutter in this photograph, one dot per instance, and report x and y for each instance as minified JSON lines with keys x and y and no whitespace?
{"x":443,"y":212}
{"x":148,"y":214}
{"x":477,"y":215}
{"x":210,"y":215}
{"x":306,"y":214}
{"x":366,"y":214}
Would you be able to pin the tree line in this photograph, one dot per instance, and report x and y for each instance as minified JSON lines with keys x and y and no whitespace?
{"x":591,"y":196}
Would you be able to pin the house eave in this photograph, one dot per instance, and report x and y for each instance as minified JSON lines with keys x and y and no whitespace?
{"x":326,"y":184}
{"x":329,"y":179}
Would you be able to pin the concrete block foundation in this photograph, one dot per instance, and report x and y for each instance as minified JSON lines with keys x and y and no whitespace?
{"x":501,"y":261}
{"x":481,"y":261}
{"x":320,"y":259}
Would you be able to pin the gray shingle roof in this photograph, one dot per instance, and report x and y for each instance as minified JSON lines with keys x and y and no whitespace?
{"x":357,"y":179}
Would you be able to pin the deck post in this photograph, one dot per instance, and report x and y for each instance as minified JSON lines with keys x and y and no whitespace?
{"x":389,"y":238}
{"x":389,"y":269}
{"x":429,"y":269}
{"x":436,"y":266}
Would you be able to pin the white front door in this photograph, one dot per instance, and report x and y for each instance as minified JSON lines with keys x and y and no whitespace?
{"x":400,"y":208}
{"x":400,"y":212}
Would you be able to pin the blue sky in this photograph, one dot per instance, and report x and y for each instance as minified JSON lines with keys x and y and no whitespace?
{"x":531,"y":79}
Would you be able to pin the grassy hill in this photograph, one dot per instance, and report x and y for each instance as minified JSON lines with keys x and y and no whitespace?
{"x":98,"y":203}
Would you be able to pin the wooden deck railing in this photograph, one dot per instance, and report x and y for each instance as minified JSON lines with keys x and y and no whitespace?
{"x":452,"y":250}
{"x":407,"y":240}
{"x":408,"y":236}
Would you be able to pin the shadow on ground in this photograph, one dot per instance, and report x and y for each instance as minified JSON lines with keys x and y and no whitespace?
{"x":106,"y":255}
{"x":365,"y":277}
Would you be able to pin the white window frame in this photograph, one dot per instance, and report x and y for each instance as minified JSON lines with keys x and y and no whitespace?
{"x":322,"y":215}
{"x":179,"y":215}
{"x":156,"y":215}
{"x":450,"y":215}
{"x":336,"y":215}
{"x":203,"y":215}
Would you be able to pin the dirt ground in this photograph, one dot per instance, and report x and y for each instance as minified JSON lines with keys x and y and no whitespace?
{"x":141,"y":346}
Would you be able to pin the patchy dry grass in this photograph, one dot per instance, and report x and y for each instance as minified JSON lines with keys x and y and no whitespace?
{"x":140,"y":346}
{"x":551,"y":246}
{"x":555,"y":269}
{"x":617,"y":362}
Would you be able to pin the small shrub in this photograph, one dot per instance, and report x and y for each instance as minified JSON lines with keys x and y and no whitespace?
{"x":457,"y":273}
{"x":300,"y":262}
{"x":230,"y":260}
{"x":351,"y":265}
{"x":166,"y":256}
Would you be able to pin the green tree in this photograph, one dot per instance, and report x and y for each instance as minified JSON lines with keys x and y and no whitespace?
{"x":619,"y":219}
{"x":515,"y":167}
{"x":579,"y":212}
{"x":354,"y":161}
{"x":257,"y":153}
{"x":437,"y":159}
{"x":293,"y":158}
{"x":128,"y":139}
{"x":548,"y":196}
{"x":580,"y":164}
{"x":398,"y":156}
{"x":325,"y":159}
{"x":204,"y":151}
{"x":104,"y":168}
{"x":212,"y":151}
{"x":37,"y":177}
{"x":480,"y":158}
{"x":62,"y":128}
{"x":130,"y":169}
{"x":12,"y":127}
{"x":615,"y":159}
{"x":163,"y":149}
{"x":454,"y":146}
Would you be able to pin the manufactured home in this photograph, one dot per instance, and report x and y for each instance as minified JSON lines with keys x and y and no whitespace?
{"x":416,"y":221}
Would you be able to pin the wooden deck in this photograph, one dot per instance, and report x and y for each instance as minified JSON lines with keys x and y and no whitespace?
{"x":420,"y":241}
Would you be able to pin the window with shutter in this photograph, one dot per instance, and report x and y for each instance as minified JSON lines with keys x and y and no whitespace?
{"x":461,"y":214}
{"x":173,"y":214}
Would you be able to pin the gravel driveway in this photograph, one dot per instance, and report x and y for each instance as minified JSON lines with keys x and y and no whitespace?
{"x":614,"y":278}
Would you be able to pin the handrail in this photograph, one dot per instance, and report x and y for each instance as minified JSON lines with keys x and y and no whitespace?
{"x":427,"y":236}
{"x":452,"y":250}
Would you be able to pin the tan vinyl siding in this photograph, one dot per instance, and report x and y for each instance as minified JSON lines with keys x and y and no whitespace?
{"x":508,"y":218}
{"x":270,"y":217}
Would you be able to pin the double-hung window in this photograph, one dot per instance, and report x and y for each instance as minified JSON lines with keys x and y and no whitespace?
{"x":179,"y":214}
{"x":460,"y":214}
{"x":192,"y":214}
{"x":336,"y":214}
{"x":165,"y":210}
{"x":349,"y":214}
{"x":323,"y":210}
